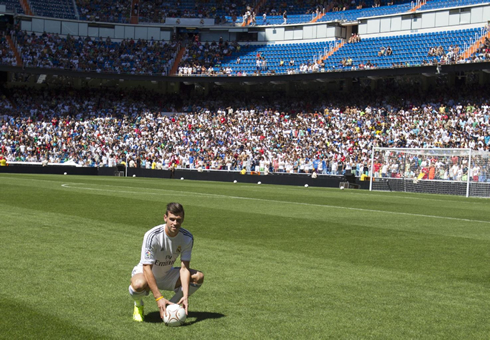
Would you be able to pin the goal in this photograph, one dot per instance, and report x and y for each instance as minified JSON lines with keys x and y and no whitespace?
{"x":464,"y":172}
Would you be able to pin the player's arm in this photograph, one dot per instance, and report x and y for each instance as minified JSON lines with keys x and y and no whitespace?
{"x":185,"y":279}
{"x":152,"y":284}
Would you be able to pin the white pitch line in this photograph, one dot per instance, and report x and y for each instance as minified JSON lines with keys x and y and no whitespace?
{"x":186,"y":193}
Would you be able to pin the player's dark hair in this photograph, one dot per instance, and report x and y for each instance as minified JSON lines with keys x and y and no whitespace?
{"x":175,"y":208}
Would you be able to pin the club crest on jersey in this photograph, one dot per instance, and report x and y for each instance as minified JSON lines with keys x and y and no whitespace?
{"x":179,"y":249}
{"x":148,"y":254}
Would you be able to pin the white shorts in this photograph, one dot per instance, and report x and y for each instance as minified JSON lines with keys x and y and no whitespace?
{"x":164,"y":283}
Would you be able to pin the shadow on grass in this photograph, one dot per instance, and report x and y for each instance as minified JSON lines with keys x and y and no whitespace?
{"x":192,"y":318}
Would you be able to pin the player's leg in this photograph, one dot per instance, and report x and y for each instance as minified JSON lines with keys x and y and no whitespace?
{"x":197,"y":279}
{"x":138,"y":289}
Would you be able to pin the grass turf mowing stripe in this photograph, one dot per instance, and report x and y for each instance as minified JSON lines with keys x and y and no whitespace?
{"x":184,"y":193}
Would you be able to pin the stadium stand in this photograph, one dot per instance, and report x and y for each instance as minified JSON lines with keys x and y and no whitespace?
{"x":329,"y":128}
{"x":301,"y":14}
{"x":355,"y":14}
{"x":331,"y":134}
{"x":7,"y":54}
{"x":53,"y":8}
{"x":13,"y":5}
{"x":96,"y":55}
{"x":104,"y":11}
{"x":276,"y":58}
{"x":332,"y":12}
{"x":158,"y":11}
{"x":407,"y":50}
{"x":231,"y":11}
{"x":435,"y":4}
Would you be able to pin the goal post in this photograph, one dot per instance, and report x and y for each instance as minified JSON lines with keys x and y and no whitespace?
{"x":449,"y":171}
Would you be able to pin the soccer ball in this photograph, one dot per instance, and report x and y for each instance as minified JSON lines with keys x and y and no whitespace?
{"x":65,"y":173}
{"x":134,"y":175}
{"x":306,"y":185}
{"x":341,"y":188}
{"x":234,"y":181}
{"x":181,"y":178}
{"x":175,"y":316}
{"x":259,"y":182}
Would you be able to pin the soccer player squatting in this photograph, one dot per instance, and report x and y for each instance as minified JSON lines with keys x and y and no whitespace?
{"x":162,"y":245}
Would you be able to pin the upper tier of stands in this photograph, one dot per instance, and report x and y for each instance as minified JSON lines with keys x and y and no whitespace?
{"x":408,"y":50}
{"x":229,"y":10}
{"x":157,"y":57}
{"x":13,"y":5}
{"x":354,"y":14}
{"x":270,"y":57}
{"x":435,"y":4}
{"x":347,"y":15}
{"x":104,"y":11}
{"x":100,"y":55}
{"x":6,"y":54}
{"x":63,"y":9}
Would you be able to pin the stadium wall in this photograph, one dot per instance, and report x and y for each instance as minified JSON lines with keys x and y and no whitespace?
{"x":164,"y":31}
{"x":90,"y":29}
{"x":394,"y":24}
{"x":428,"y":20}
{"x":217,"y":176}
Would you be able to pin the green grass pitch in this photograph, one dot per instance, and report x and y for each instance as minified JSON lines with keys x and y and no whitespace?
{"x":281,"y":262}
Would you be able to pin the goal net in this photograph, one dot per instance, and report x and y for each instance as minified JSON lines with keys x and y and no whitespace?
{"x":462,"y":172}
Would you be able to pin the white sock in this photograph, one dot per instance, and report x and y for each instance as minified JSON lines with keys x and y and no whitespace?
{"x":178,"y":292}
{"x":137,"y":296}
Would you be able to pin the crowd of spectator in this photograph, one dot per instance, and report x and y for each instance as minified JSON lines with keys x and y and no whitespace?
{"x":450,"y":56}
{"x":204,"y":58}
{"x":453,"y":54}
{"x":104,"y":11}
{"x":157,"y":11}
{"x":309,"y":9}
{"x":329,"y":136}
{"x":385,"y":51}
{"x":273,"y":10}
{"x":354,"y":38}
{"x":6,"y":54}
{"x":128,"y":56}
{"x":483,"y":52}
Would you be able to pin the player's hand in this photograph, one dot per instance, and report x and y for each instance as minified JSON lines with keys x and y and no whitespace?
{"x":162,"y":306}
{"x":185,"y":303}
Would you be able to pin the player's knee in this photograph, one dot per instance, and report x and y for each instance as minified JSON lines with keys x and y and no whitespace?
{"x":138,"y":284}
{"x":199,"y":277}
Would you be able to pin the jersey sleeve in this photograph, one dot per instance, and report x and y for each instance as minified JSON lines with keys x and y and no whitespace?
{"x":150,"y":243}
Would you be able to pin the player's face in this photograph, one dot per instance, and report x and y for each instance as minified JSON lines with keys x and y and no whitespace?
{"x":173,"y":223}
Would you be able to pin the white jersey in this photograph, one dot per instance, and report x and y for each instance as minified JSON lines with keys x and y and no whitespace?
{"x":162,"y":251}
